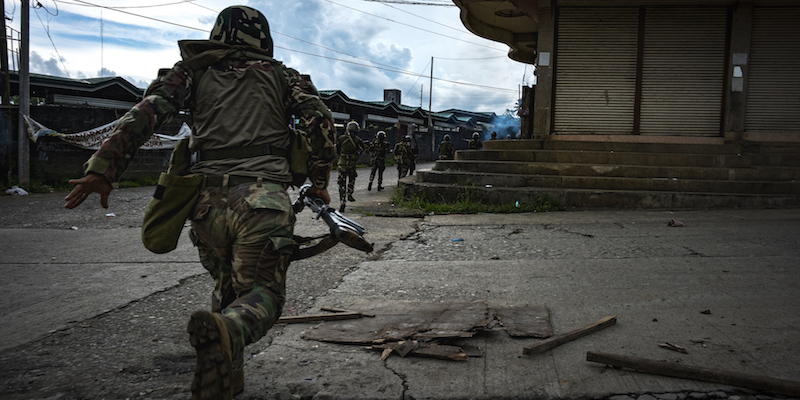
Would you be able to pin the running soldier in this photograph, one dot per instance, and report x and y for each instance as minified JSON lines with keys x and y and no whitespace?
{"x":350,"y":147}
{"x":243,"y":222}
{"x":402,"y":156}
{"x":378,"y":148}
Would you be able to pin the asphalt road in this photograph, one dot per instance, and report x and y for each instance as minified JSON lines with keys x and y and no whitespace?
{"x":89,"y":314}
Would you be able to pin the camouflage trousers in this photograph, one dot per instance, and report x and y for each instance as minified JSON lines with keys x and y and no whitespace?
{"x":244,"y":238}
{"x":379,"y":169}
{"x":402,"y":168}
{"x":346,"y":181}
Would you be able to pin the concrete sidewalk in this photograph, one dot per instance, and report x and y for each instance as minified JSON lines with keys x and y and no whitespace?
{"x":724,"y":286}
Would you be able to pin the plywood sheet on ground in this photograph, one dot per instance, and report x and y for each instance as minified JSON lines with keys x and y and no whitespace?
{"x":396,"y":321}
{"x":525,"y":321}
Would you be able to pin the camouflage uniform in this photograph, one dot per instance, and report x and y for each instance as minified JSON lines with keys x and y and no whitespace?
{"x":446,"y":151}
{"x":402,"y":156}
{"x":350,"y":147}
{"x":243,"y":223}
{"x":378,"y":149}
{"x":475,"y":144}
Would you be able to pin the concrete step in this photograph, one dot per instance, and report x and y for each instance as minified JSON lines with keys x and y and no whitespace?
{"x":608,"y":183}
{"x":608,"y":157}
{"x":678,"y":148}
{"x":630,"y":171}
{"x":572,"y":198}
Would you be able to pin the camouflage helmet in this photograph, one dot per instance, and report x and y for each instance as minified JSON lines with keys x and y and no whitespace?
{"x":407,"y":138}
{"x":476,"y":135}
{"x":352,"y":126}
{"x":240,"y":25}
{"x":381,"y":135}
{"x":446,"y":138}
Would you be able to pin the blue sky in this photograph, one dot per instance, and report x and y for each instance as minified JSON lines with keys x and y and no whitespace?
{"x":360,"y":47}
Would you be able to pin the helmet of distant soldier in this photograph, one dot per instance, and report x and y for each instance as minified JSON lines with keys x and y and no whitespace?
{"x":407,"y":138}
{"x":352,"y":126}
{"x":446,"y":138}
{"x":381,"y":135}
{"x":476,"y":135}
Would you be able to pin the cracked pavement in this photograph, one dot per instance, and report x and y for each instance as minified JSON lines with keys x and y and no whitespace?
{"x":89,"y":314}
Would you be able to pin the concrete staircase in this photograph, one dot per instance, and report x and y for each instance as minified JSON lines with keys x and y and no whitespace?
{"x":585,"y":174}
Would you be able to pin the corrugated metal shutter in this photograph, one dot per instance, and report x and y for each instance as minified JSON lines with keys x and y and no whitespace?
{"x":773,"y":76}
{"x":683,"y":71}
{"x":595,"y":70}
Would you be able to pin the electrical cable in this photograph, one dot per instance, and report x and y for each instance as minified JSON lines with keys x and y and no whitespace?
{"x":414,"y":3}
{"x":125,"y":7}
{"x":47,"y":30}
{"x":412,"y":26}
{"x":391,"y":69}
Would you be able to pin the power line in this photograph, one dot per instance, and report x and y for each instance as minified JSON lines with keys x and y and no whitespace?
{"x":376,"y":66}
{"x":125,"y":7}
{"x":47,"y":30}
{"x":414,"y":3}
{"x":420,"y":17}
{"x":412,"y":26}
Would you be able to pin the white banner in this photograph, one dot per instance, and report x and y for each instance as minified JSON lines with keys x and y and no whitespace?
{"x":93,"y":138}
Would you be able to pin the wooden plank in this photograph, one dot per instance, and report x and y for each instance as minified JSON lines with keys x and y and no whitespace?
{"x":340,"y":310}
{"x":558,"y":340}
{"x":319,"y":317}
{"x":762,"y":383}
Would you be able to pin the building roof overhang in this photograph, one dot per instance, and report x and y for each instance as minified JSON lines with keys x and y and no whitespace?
{"x":513,"y":22}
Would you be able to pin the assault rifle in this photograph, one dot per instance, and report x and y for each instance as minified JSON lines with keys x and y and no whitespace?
{"x":342,"y":229}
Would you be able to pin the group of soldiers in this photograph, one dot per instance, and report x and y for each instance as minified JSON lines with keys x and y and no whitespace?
{"x":350,"y":148}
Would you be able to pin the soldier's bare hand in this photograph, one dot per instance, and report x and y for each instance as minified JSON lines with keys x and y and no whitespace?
{"x":85,"y":186}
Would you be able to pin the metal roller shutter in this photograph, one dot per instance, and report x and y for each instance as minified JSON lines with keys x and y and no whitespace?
{"x":683,"y":71}
{"x":773,"y":77}
{"x":595,"y":70}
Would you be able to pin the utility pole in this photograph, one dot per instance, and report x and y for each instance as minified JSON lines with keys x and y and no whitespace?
{"x":430,"y":114}
{"x":5,"y":118}
{"x":24,"y":161}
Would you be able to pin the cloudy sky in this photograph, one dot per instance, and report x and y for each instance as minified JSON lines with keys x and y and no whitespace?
{"x":360,"y":47}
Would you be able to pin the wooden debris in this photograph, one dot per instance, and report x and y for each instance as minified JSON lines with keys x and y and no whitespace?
{"x":319,"y":317}
{"x":525,"y":321}
{"x":422,"y":349}
{"x":755,"y":382}
{"x":396,"y":321}
{"x":339,"y":310}
{"x":558,"y":340}
{"x":673,"y":347}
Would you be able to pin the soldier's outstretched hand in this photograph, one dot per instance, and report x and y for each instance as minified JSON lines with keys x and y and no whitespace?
{"x":92,"y":183}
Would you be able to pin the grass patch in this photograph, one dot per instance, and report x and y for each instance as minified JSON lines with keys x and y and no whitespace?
{"x":466,"y":204}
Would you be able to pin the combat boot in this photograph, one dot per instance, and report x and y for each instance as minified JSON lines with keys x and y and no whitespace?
{"x":380,"y":188}
{"x":350,"y":197}
{"x":341,"y":207}
{"x":369,"y":187}
{"x":213,"y":376}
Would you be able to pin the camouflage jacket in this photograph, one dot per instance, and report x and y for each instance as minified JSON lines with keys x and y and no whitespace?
{"x":225,"y":115}
{"x":378,"y":149}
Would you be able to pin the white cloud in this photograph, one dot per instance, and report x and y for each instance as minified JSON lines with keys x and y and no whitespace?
{"x":383,"y":37}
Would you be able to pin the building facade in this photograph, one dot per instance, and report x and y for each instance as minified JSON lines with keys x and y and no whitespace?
{"x":705,"y":71}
